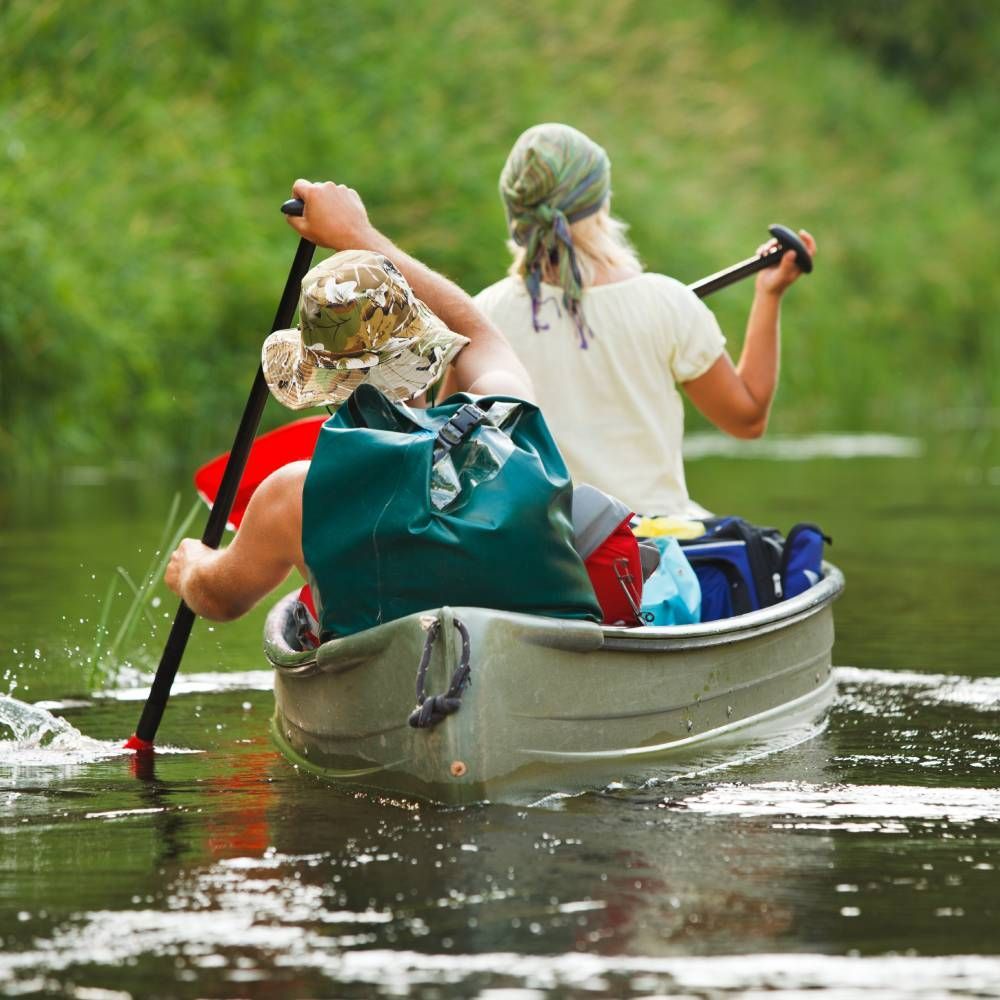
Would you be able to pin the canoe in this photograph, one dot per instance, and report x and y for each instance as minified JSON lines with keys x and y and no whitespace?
{"x":551,"y":705}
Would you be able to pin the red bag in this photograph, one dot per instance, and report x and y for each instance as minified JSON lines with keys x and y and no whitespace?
{"x":610,"y":552}
{"x":616,"y":575}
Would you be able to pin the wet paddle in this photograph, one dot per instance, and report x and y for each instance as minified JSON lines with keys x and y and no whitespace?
{"x":228,"y":487}
{"x":297,"y":440}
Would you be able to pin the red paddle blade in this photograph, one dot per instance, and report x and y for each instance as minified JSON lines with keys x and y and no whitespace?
{"x":291,"y":443}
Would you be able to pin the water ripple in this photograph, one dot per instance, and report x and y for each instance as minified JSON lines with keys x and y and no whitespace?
{"x":837,"y":802}
{"x":934,"y":689}
{"x":798,"y":449}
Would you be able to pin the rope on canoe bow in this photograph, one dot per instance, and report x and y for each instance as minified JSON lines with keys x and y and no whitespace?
{"x":430,"y":711}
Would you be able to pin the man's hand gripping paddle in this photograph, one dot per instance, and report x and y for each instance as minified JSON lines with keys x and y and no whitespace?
{"x":226,"y":491}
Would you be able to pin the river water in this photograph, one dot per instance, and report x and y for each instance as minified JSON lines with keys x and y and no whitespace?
{"x":865,"y":860}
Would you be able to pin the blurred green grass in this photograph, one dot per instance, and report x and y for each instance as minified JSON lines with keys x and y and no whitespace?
{"x":145,"y":148}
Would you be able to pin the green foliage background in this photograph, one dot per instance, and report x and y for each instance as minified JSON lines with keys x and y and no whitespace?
{"x":145,"y":148}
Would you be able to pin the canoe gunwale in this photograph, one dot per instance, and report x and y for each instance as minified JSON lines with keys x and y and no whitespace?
{"x":571,"y":636}
{"x":653,"y":638}
{"x":277,"y":647}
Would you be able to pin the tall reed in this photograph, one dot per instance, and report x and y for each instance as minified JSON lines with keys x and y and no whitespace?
{"x":106,"y":655}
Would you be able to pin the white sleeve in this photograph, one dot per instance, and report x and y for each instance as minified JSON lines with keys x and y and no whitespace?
{"x":694,"y":340}
{"x":486,"y":300}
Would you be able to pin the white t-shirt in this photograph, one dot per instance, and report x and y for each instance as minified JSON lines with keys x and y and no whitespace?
{"x":614,"y":408}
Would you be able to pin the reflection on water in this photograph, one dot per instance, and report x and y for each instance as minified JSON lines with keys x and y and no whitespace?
{"x":862,"y":859}
{"x":229,"y":873}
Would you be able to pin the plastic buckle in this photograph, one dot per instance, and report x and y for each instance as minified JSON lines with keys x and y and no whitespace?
{"x":466,"y":419}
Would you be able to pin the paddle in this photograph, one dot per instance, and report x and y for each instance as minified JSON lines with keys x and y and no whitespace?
{"x":159,"y":692}
{"x":787,"y":240}
{"x":270,"y":451}
{"x":297,"y":440}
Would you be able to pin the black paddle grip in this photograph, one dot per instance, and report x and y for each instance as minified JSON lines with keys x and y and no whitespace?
{"x":790,"y":241}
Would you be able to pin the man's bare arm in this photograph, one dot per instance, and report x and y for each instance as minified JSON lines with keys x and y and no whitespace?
{"x":223,"y":584}
{"x":335,"y":216}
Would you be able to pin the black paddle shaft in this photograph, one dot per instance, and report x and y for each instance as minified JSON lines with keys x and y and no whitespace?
{"x":180,"y":631}
{"x":787,"y":240}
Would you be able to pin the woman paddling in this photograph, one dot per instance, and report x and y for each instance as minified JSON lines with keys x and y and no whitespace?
{"x":607,"y":343}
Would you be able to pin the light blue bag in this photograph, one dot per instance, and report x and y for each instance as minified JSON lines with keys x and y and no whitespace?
{"x":672,"y":595}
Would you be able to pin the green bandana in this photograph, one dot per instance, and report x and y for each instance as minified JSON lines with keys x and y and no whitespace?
{"x":554,"y":177}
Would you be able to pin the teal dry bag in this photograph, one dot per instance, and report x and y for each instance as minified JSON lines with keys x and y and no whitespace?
{"x":467,"y":503}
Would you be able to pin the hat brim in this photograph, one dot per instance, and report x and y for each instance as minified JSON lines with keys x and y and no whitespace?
{"x":297,"y":379}
{"x":403,"y":368}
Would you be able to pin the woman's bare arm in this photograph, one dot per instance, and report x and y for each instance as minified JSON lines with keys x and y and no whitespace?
{"x":738,"y":399}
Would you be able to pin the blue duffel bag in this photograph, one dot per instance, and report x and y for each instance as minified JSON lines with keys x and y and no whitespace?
{"x":742,"y":567}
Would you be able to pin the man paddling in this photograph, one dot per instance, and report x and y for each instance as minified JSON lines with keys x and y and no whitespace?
{"x":377,"y":315}
{"x":335,"y":216}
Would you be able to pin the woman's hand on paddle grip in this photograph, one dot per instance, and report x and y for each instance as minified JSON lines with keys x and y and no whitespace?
{"x":334,"y":216}
{"x":776,"y":280}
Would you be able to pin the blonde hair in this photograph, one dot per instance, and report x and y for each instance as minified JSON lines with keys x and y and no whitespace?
{"x":599,"y":240}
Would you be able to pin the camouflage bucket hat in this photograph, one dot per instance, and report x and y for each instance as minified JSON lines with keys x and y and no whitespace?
{"x":359,"y":322}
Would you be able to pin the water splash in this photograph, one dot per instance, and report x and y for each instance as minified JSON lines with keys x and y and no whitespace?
{"x":32,"y":735}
